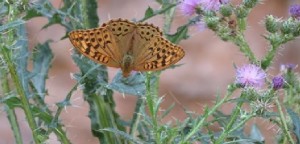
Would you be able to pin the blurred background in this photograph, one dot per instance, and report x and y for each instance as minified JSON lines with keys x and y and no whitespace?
{"x":207,"y":70}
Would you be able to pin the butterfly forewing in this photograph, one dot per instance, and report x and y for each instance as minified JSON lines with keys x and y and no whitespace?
{"x":160,"y":54}
{"x":122,"y":30}
{"x":98,"y":45}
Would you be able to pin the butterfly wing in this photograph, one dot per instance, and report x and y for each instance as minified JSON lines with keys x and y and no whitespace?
{"x":143,"y":35}
{"x":122,"y":30}
{"x":97,"y":44}
{"x":159,"y":53}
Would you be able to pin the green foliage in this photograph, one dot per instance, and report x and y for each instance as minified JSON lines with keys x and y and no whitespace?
{"x":296,"y":123}
{"x":42,"y":57}
{"x":11,"y":25}
{"x":26,"y":88}
{"x":151,"y":13}
{"x":179,"y":35}
{"x":134,"y":84}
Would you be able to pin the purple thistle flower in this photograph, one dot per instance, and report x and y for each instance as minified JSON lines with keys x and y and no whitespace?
{"x":278,"y":82}
{"x":250,"y":76}
{"x":213,"y":5}
{"x":189,"y":7}
{"x":295,"y":11}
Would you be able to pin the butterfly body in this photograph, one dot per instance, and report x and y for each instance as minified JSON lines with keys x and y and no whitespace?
{"x":127,"y":45}
{"x":127,"y":65}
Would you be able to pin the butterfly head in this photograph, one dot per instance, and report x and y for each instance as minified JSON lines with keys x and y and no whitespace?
{"x":127,"y":65}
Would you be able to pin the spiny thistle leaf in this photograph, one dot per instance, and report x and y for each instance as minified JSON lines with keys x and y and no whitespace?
{"x":99,"y":98}
{"x":11,"y":25}
{"x":134,"y":85}
{"x":180,"y":34}
{"x":11,"y":101}
{"x":296,"y":123}
{"x":21,"y":54}
{"x":42,"y":57}
{"x":151,"y":13}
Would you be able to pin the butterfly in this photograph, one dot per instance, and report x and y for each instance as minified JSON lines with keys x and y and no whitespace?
{"x":127,"y":45}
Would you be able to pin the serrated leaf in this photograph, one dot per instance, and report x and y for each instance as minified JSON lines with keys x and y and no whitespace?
{"x":181,"y":33}
{"x":40,"y":8}
{"x":296,"y":123}
{"x":20,"y":57}
{"x":22,"y":52}
{"x":149,"y":12}
{"x":42,"y":57}
{"x":55,"y":16}
{"x":134,"y":84}
{"x":11,"y":101}
{"x":95,"y":78}
{"x":11,"y":25}
{"x":32,"y":13}
{"x":55,"y":19}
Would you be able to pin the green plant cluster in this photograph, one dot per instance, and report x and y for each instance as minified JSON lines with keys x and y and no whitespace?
{"x":26,"y":89}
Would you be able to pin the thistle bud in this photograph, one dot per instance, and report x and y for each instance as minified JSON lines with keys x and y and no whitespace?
{"x":271,"y":24}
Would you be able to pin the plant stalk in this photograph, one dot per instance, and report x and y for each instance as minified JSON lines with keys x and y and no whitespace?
{"x":283,"y":122}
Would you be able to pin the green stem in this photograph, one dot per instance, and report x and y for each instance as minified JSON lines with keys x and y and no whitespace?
{"x":240,"y":41}
{"x":232,"y":120}
{"x":10,"y":112}
{"x":14,"y":124}
{"x":275,"y":41}
{"x":149,"y":95}
{"x":169,"y":15}
{"x":230,"y":90}
{"x":242,"y":23}
{"x":56,"y":127}
{"x":269,"y":56}
{"x":85,"y":16}
{"x":13,"y":13}
{"x":283,"y":122}
{"x":242,"y":123}
{"x":60,"y":107}
{"x":158,"y":12}
{"x":21,"y":93}
{"x":150,"y":98}
{"x":105,"y":118}
{"x":4,"y":80}
{"x":89,"y":13}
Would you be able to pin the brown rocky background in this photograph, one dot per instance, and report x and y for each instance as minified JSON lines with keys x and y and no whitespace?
{"x":207,"y":69}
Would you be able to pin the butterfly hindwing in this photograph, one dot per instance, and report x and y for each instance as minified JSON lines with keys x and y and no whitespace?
{"x":143,"y":35}
{"x":160,"y":54}
{"x":147,"y":31}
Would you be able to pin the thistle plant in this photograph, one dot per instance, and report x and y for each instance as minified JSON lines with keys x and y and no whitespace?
{"x":25,"y":88}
